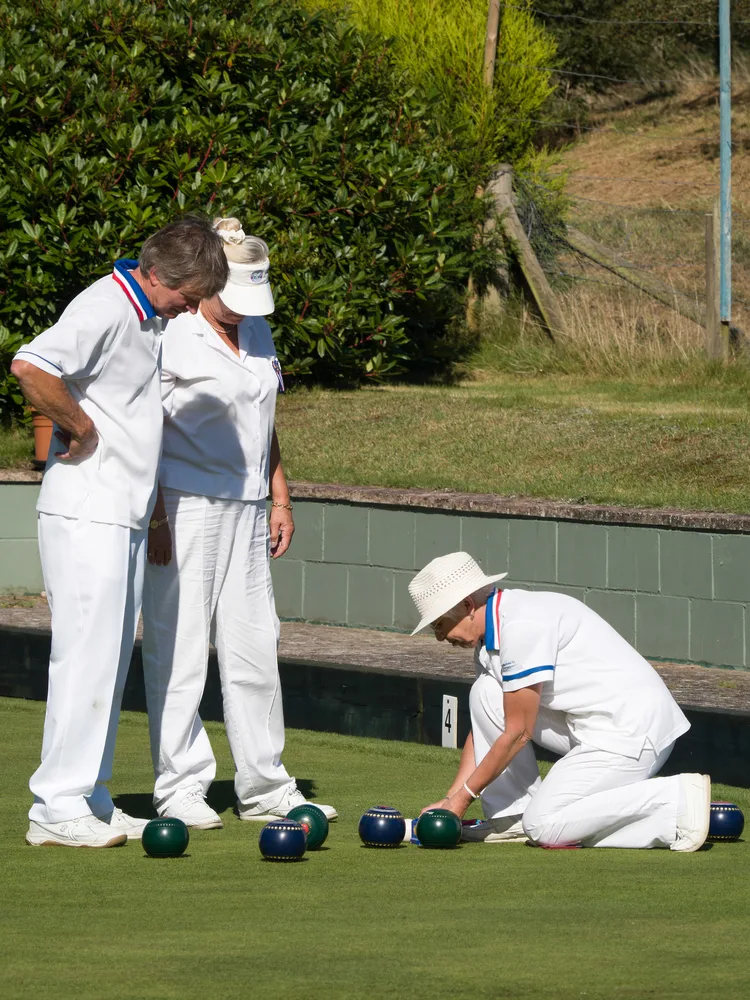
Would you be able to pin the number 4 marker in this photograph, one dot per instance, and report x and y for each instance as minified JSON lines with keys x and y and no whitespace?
{"x":450,"y":721}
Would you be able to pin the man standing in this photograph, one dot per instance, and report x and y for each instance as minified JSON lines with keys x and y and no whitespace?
{"x":549,"y":669}
{"x":95,"y":373}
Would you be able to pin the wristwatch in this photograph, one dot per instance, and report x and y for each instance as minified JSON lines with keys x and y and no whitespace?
{"x":153,"y":523}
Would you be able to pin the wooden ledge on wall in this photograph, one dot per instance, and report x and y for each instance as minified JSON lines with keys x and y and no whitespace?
{"x":489,"y":503}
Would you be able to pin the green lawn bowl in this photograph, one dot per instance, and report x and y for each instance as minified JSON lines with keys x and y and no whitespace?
{"x":165,"y":837}
{"x":438,"y":828}
{"x":314,"y":821}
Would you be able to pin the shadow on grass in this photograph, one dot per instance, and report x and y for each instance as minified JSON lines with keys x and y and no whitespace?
{"x":220,"y":797}
{"x":137,"y":804}
{"x":383,"y":847}
{"x":166,"y":857}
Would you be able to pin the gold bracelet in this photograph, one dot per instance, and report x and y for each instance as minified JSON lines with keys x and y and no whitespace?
{"x":286,"y":506}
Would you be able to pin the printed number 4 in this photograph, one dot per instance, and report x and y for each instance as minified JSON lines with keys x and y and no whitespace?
{"x":447,"y":723}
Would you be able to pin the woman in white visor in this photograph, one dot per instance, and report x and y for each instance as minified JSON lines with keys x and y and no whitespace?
{"x":209,"y":548}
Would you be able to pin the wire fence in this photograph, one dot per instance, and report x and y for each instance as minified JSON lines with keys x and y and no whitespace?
{"x":666,"y":245}
{"x":710,"y":22}
{"x":645,"y":199}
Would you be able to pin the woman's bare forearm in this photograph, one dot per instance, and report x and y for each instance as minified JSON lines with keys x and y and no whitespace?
{"x":500,"y":754}
{"x":160,"y":511}
{"x":278,"y":484}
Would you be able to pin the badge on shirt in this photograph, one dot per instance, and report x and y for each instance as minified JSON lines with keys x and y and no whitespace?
{"x":277,"y":368}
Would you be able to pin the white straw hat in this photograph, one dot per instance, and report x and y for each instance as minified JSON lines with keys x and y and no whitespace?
{"x":444,"y":583}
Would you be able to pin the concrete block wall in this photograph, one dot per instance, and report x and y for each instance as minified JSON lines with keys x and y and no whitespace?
{"x":675,"y":594}
{"x":20,"y":569}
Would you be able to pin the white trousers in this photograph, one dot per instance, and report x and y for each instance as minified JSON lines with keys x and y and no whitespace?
{"x":93,"y":575}
{"x":591,"y":797}
{"x":217,"y":588}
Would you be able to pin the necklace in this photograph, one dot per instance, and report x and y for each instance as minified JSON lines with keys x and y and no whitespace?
{"x":220,"y":328}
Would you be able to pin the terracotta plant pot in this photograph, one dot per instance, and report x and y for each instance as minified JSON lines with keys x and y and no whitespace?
{"x":42,"y":438}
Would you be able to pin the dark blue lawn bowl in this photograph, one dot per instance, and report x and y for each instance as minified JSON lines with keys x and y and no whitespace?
{"x":382,"y":826}
{"x":726,"y":823}
{"x":282,"y":840}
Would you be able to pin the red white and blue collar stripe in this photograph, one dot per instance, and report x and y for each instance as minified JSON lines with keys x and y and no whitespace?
{"x":135,"y":294}
{"x":492,"y":621}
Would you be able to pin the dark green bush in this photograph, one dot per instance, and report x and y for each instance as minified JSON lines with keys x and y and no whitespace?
{"x":115,"y":116}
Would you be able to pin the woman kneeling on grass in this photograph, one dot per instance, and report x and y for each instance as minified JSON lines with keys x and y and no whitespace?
{"x":549,"y":669}
{"x":208,"y":550}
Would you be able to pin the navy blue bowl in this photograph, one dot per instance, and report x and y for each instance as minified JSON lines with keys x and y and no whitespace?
{"x":727,"y":821}
{"x":282,"y":840}
{"x":382,"y":826}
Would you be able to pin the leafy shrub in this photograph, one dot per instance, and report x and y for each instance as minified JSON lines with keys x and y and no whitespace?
{"x":440,"y":43}
{"x":116,"y":116}
{"x":11,"y":398}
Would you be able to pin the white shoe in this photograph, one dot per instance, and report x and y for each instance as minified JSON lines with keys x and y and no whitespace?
{"x":291,"y":797}
{"x":120,"y":822}
{"x":86,"y":831}
{"x":505,"y":830}
{"x":191,"y":807}
{"x":695,"y":812}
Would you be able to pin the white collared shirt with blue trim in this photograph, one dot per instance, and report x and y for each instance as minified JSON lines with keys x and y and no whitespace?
{"x":527,"y":654}
{"x":105,"y":347}
{"x":594,"y":685}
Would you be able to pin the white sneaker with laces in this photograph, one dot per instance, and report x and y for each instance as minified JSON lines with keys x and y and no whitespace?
{"x":120,"y":822}
{"x":191,"y":807}
{"x":86,"y":831}
{"x":695,"y":812}
{"x":505,"y":830}
{"x":291,"y":796}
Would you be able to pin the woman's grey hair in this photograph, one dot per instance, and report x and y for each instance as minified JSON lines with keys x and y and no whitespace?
{"x":187,"y":254}
{"x":240,"y":249}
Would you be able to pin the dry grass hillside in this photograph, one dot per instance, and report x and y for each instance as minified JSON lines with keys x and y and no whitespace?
{"x":640,"y":179}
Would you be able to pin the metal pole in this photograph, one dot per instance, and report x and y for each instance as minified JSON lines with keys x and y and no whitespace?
{"x":713,"y":326}
{"x":725,"y":145}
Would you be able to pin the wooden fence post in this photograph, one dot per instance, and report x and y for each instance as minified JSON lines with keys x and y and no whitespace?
{"x":501,"y":187}
{"x":491,"y":300}
{"x":490,"y":43}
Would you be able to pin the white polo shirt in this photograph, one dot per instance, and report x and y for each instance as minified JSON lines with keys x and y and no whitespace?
{"x":105,"y":346}
{"x":609,"y":697}
{"x":219,"y":409}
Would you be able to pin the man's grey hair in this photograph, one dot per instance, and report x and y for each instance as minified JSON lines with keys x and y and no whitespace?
{"x":187,"y":254}
{"x":479,"y":597}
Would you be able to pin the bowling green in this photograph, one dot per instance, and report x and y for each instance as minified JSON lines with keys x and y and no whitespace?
{"x":481,"y":921}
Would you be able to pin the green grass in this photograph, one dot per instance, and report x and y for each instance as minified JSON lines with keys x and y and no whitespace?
{"x":482,"y":921}
{"x":16,"y":448}
{"x":663,"y":443}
